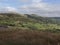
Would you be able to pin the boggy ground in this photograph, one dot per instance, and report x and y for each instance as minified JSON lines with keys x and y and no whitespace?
{"x":28,"y":37}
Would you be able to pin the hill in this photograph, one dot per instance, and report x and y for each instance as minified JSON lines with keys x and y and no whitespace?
{"x":26,"y":21}
{"x":52,"y":20}
{"x":26,"y":29}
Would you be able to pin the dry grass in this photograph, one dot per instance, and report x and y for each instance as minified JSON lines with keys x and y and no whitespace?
{"x":28,"y":37}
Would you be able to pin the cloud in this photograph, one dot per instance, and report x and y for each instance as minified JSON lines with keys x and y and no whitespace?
{"x":8,"y":9}
{"x":32,"y":6}
{"x":41,"y":8}
{"x":23,"y":1}
{"x":36,"y":1}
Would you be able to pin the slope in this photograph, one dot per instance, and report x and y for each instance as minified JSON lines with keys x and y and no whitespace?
{"x":26,"y":21}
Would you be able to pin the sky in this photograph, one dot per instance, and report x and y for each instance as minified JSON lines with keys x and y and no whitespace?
{"x":50,"y":8}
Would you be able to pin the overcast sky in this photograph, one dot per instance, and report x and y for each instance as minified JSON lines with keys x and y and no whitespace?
{"x":40,"y":7}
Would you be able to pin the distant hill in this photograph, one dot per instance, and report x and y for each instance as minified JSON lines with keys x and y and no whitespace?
{"x":53,"y":20}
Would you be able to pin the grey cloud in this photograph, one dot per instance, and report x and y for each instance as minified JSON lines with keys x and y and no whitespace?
{"x":41,"y":8}
{"x":41,"y":12}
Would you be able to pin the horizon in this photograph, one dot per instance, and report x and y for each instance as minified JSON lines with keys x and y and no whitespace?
{"x":49,"y":8}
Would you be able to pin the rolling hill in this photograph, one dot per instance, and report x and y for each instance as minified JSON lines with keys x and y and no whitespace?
{"x":26,"y":29}
{"x":28,"y":21}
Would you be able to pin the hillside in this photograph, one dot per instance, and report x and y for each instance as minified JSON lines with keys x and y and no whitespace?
{"x":52,"y":20}
{"x":26,"y":21}
{"x":25,"y":29}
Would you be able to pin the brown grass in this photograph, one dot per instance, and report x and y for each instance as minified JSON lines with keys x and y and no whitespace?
{"x":28,"y":37}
